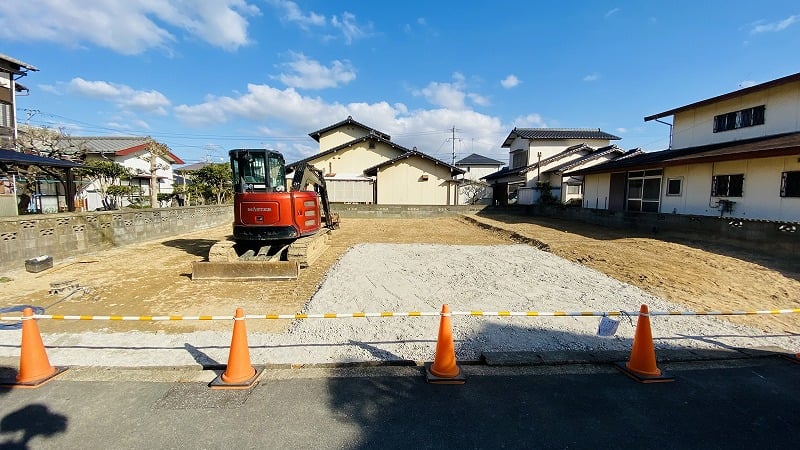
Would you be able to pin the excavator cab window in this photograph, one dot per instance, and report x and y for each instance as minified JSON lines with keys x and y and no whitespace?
{"x":258,"y":171}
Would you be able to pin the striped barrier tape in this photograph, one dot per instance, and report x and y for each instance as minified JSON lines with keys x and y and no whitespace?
{"x":386,"y":314}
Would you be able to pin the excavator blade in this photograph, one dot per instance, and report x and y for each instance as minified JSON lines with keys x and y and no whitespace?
{"x":245,"y":270}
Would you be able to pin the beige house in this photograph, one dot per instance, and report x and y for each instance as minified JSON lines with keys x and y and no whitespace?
{"x":735,"y":155}
{"x":10,"y":71}
{"x":363,"y":165}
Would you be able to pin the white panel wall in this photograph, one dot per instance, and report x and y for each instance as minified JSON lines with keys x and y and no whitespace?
{"x":782,"y":115}
{"x":339,"y":136}
{"x":596,"y":190}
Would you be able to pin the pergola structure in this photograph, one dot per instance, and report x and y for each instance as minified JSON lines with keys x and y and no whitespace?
{"x":11,"y":158}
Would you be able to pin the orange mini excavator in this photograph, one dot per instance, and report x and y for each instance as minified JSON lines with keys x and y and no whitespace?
{"x":276,"y":230}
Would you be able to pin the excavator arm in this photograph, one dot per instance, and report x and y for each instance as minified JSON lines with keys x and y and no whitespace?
{"x":305,"y":174}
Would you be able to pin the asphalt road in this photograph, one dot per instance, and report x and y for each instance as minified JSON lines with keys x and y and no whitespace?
{"x":750,"y":403}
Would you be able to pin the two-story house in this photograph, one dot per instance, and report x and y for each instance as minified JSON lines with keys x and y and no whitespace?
{"x":733,"y":155}
{"x":363,"y":165}
{"x":132,"y":153}
{"x":541,"y":156}
{"x":10,"y":71}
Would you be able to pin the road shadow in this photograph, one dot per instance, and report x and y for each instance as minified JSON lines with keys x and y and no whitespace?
{"x":20,"y":427}
{"x":568,"y":407}
{"x":196,"y":247}
{"x":789,"y":267}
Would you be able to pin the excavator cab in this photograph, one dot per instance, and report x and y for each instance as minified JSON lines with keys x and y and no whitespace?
{"x":258,"y":171}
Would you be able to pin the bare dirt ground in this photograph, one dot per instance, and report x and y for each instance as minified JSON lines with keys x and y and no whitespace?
{"x":153,"y":278}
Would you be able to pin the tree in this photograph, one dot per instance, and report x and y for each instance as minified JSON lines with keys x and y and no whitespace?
{"x":216,"y":179}
{"x":109,"y":175}
{"x":155,"y":150}
{"x":473,"y":190}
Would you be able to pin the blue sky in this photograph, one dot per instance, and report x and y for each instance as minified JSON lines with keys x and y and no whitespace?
{"x":207,"y":76}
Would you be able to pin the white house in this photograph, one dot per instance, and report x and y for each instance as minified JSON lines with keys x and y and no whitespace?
{"x":472,"y":188}
{"x":130,"y":152}
{"x":542,"y":154}
{"x":733,"y":155}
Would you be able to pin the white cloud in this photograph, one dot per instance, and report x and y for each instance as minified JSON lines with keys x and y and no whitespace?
{"x":292,"y":13}
{"x":530,"y":121}
{"x":123,"y":96}
{"x":622,"y":130}
{"x":307,"y":73}
{"x":298,"y":115}
{"x":147,"y":24}
{"x":746,"y":84}
{"x":451,"y":95}
{"x":349,"y":28}
{"x":510,"y":81}
{"x":591,"y":77}
{"x":781,"y":25}
{"x":612,"y":12}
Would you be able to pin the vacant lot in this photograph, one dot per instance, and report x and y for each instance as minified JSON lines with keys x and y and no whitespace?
{"x":154,"y":277}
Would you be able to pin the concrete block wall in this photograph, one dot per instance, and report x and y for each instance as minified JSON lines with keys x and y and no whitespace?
{"x":766,"y":236}
{"x":67,"y":235}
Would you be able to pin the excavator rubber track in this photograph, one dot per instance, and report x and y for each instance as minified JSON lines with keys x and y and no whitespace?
{"x":280,"y":261}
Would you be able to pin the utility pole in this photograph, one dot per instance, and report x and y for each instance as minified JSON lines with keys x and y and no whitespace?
{"x":453,"y":139}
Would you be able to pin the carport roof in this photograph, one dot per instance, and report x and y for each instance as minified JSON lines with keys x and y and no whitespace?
{"x":26,"y":159}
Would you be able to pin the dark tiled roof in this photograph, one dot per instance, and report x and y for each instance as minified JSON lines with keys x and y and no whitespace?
{"x":505,"y":171}
{"x":729,"y":95}
{"x":118,"y":145}
{"x":568,"y":151}
{"x":316,"y":135}
{"x":13,"y":157}
{"x":477,"y":160}
{"x":413,"y":153}
{"x":399,"y":148}
{"x":762,"y":147}
{"x":192,"y":167}
{"x":558,"y":133}
{"x":602,"y":151}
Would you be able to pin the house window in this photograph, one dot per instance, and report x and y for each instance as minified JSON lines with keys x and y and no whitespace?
{"x":573,"y":189}
{"x":674,"y":186}
{"x":739,"y":119}
{"x":644,"y":190}
{"x":790,"y":184}
{"x":519,"y":159}
{"x":727,"y":185}
{"x":5,"y":115}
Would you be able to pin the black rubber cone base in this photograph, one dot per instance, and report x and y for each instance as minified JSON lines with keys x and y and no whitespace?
{"x":33,"y":384}
{"x":663,"y":378}
{"x":433,"y":379}
{"x":246,"y":384}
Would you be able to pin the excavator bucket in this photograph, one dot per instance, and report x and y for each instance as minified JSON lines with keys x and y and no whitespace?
{"x":245,"y":270}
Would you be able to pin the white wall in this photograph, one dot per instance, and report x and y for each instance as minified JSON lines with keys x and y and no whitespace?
{"x":760,"y":197}
{"x":403,"y":183}
{"x":782,"y":114}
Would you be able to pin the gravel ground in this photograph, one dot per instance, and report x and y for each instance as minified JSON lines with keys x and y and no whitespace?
{"x":422,"y":277}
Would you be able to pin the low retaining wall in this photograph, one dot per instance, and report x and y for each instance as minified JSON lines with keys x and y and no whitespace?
{"x":403,"y":211}
{"x":66,"y":235}
{"x":765,"y":236}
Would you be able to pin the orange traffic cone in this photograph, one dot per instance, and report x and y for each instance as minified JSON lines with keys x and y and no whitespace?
{"x":239,"y":374}
{"x":444,"y":369}
{"x":34,"y":366}
{"x":642,"y":364}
